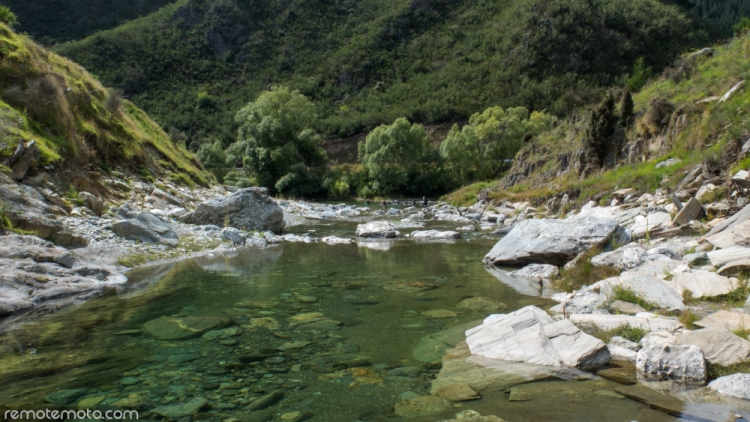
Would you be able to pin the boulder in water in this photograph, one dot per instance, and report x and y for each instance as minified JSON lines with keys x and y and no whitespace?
{"x":379,"y":229}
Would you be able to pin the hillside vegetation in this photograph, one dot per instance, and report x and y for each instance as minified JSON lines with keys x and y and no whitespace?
{"x":77,"y":122}
{"x":682,"y":115}
{"x":194,"y":63}
{"x":53,"y":21}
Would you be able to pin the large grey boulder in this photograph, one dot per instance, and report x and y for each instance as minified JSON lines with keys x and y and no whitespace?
{"x":530,"y":335}
{"x":378,"y":229}
{"x":145,"y":227}
{"x":735,"y":385}
{"x":247,"y":209}
{"x":677,"y":362}
{"x":552,"y":242}
{"x":719,"y":346}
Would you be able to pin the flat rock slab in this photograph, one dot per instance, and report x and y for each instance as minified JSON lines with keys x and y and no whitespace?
{"x":719,"y":346}
{"x":702,"y":283}
{"x":482,"y":374}
{"x":530,"y":335}
{"x":458,"y":392}
{"x":721,"y":257}
{"x":610,"y":322}
{"x":736,"y":236}
{"x":727,"y":320}
{"x":647,"y":287}
{"x":624,"y":376}
{"x":553,"y":242}
{"x":170,"y":329}
{"x":734,"y":267}
{"x":653,"y":399}
{"x":736,"y":385}
{"x":622,"y":307}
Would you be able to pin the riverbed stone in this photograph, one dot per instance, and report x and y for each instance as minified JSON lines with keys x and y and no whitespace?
{"x":378,"y":229}
{"x":172,"y":328}
{"x":474,"y":416}
{"x":719,"y":346}
{"x":735,"y":385}
{"x":697,"y":259}
{"x":421,"y":406}
{"x":734,"y":267}
{"x":410,"y":286}
{"x":458,"y":393}
{"x":649,"y":288}
{"x":721,"y":257}
{"x":677,"y":362}
{"x":265,"y":401}
{"x":64,"y":397}
{"x":435,"y":234}
{"x":481,"y":304}
{"x":90,"y":402}
{"x":530,"y":335}
{"x":439,"y":313}
{"x":552,"y":242}
{"x":188,"y":408}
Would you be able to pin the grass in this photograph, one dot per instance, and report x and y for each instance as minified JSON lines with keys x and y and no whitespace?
{"x":467,"y":195}
{"x":734,"y":299}
{"x":583,"y":273}
{"x":718,"y":371}
{"x":626,"y":331}
{"x":688,"y":318}
{"x":627,"y":295}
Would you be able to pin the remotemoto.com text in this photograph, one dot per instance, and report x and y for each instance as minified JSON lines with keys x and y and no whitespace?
{"x":70,"y":414}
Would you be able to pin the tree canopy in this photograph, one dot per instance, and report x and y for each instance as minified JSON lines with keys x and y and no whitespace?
{"x":484,"y":147}
{"x":276,"y":143}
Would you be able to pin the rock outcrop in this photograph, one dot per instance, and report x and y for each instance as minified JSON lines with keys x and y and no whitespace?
{"x":246,"y":209}
{"x":552,"y":242}
{"x":529,"y":335}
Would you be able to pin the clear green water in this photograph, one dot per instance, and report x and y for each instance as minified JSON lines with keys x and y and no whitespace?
{"x":341,"y":375}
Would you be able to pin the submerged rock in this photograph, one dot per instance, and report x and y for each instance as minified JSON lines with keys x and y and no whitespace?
{"x":188,"y":408}
{"x":170,"y":329}
{"x":420,"y":406}
{"x":530,"y":335}
{"x":378,"y":229}
{"x":550,"y":241}
{"x":481,"y":304}
{"x":537,"y":272}
{"x":458,"y":392}
{"x":473,"y":416}
{"x":247,"y":209}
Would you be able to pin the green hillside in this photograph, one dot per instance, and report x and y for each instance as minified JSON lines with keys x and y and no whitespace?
{"x":53,"y":21}
{"x":194,"y":63}
{"x":75,"y":120}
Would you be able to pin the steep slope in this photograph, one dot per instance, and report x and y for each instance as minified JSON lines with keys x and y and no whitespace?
{"x":52,"y":21}
{"x":694,"y":113}
{"x":76,"y":123}
{"x":194,"y":63}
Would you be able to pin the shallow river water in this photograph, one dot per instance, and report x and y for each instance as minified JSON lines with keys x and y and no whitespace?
{"x":337,"y":328}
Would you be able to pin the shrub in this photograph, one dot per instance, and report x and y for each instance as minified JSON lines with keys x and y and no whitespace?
{"x":688,"y":318}
{"x":7,"y":17}
{"x":601,"y":128}
{"x":656,"y":118}
{"x":5,"y":223}
{"x":626,"y":109}
{"x":741,"y":27}
{"x":640,"y":76}
{"x":626,"y":331}
{"x":113,"y":100}
{"x":180,"y":179}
